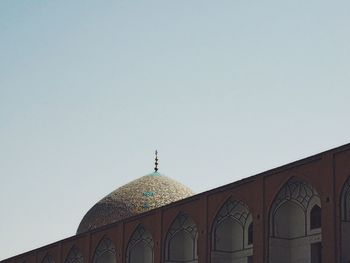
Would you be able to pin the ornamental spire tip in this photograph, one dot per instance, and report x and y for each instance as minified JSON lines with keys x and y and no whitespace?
{"x":156,"y":163}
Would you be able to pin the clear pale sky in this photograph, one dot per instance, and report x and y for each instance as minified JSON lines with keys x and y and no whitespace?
{"x":223,"y":89}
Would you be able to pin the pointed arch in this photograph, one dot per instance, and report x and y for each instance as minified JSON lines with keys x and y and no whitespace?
{"x":74,"y":255}
{"x":48,"y":259}
{"x":229,"y":224}
{"x":181,"y":240}
{"x":140,"y":246}
{"x":105,"y":252}
{"x":230,"y":231}
{"x":293,"y":216}
{"x":297,"y":191}
{"x":290,"y":208}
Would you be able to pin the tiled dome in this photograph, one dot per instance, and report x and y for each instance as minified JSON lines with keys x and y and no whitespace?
{"x":143,"y":194}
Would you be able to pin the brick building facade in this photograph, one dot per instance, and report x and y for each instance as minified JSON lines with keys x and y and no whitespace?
{"x":298,"y":212}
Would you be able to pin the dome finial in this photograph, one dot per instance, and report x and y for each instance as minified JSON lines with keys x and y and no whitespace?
{"x":156,"y":163}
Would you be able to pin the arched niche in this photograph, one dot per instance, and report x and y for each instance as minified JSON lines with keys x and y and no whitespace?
{"x":48,"y":259}
{"x":231,"y":229}
{"x":250,"y":233}
{"x":181,"y":240}
{"x":291,"y":236}
{"x":140,"y":247}
{"x":345,"y":221}
{"x":74,"y":256}
{"x":105,"y":252}
{"x":315,"y":217}
{"x":289,"y":221}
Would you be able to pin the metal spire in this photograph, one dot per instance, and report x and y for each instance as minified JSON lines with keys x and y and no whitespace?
{"x":156,"y":163}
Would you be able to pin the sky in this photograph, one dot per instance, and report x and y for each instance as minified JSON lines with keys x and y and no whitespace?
{"x":223,"y":89}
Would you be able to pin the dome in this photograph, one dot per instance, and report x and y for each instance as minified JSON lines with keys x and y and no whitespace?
{"x":143,"y":194}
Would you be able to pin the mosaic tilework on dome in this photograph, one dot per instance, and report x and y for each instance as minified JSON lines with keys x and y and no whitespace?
{"x":143,"y":194}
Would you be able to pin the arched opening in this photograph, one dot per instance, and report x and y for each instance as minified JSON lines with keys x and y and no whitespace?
{"x":250,"y":234}
{"x":48,"y":259}
{"x":345,"y":221}
{"x":315,"y":217}
{"x":140,"y":247}
{"x":74,"y":256}
{"x":294,"y":217}
{"x":232,"y":233}
{"x":181,"y":240}
{"x":105,"y":252}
